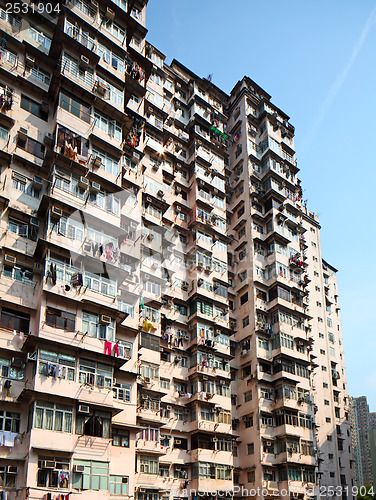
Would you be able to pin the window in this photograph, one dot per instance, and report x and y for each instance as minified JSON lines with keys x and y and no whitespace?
{"x":247,"y":396}
{"x":21,"y":183}
{"x":23,"y":229}
{"x":75,"y":106}
{"x":120,"y":437}
{"x":51,"y":364}
{"x":94,"y":477}
{"x":149,"y":371}
{"x":34,"y":107}
{"x":53,"y":472}
{"x":148,"y":465}
{"x":244,"y":299}
{"x":250,"y":448}
{"x":10,"y":421}
{"x":119,"y":485}
{"x":96,"y":423}
{"x":8,"y":476}
{"x":35,"y":148}
{"x":14,"y":320}
{"x":4,"y":133}
{"x":108,"y":163}
{"x":39,"y":37}
{"x":149,"y":341}
{"x":60,"y":319}
{"x":110,"y":127}
{"x":53,"y":416}
{"x":95,"y":373}
{"x":94,"y":328}
{"x":11,"y":372}
{"x":122,"y":392}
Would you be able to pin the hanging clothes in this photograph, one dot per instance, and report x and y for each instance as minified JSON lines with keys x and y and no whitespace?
{"x":107,"y":348}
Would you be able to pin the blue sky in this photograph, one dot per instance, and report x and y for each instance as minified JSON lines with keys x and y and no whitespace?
{"x":318,"y":61}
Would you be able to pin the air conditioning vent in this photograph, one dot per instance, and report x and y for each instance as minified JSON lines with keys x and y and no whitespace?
{"x":10,"y":259}
{"x":83,"y":182}
{"x":110,"y":14}
{"x":95,"y":187}
{"x":84,"y":61}
{"x":56,"y":212}
{"x":105,"y":320}
{"x":97,"y":162}
{"x":83,"y":409}
{"x":48,"y":464}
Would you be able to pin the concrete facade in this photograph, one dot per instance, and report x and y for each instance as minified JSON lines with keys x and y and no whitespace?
{"x":167,"y":323}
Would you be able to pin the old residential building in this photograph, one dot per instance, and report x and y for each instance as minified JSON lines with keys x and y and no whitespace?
{"x":167,"y":322}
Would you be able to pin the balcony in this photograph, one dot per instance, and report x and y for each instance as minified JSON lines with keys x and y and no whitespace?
{"x":93,"y":287}
{"x":152,"y":447}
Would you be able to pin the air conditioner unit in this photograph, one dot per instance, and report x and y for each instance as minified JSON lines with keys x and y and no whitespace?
{"x":110,"y":14}
{"x":169,"y":408}
{"x":95,"y":187}
{"x":83,"y":182}
{"x":207,"y":268}
{"x":48,"y":138}
{"x":29,"y":60}
{"x":79,"y":469}
{"x":56,"y":212}
{"x":177,"y":441}
{"x":9,"y":259}
{"x":178,"y":208}
{"x":155,"y":167}
{"x":178,"y":190}
{"x":160,"y":193}
{"x":144,"y":396}
{"x":147,"y":276}
{"x":83,"y":409}
{"x":22,"y":134}
{"x":100,"y":88}
{"x":84,"y":61}
{"x":105,"y":320}
{"x":268,"y":443}
{"x":97,"y":162}
{"x":48,"y":464}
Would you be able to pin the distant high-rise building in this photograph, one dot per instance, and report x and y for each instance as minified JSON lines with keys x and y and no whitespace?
{"x":167,"y":324}
{"x":360,"y":435}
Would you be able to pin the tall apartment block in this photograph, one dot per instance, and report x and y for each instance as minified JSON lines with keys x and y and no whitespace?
{"x":363,"y":433}
{"x":167,"y":323}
